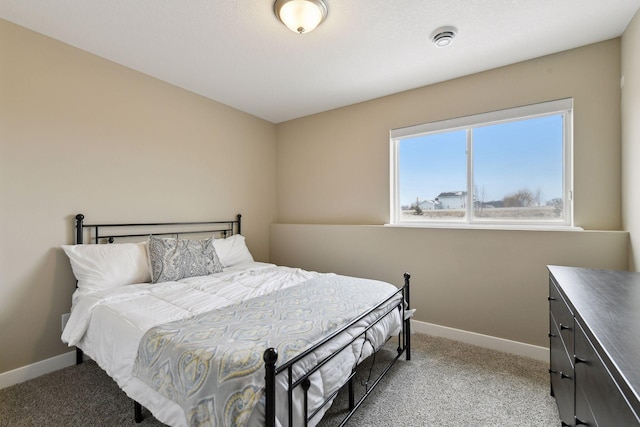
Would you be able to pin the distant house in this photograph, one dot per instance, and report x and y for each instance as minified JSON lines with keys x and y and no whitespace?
{"x":429,"y":205}
{"x":452,"y":200}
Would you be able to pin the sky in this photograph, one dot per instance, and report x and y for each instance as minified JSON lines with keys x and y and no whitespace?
{"x":525,"y":154}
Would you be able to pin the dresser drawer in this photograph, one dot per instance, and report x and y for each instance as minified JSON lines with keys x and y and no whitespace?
{"x":563,"y":316}
{"x":599,"y":401}
{"x":561,"y":373}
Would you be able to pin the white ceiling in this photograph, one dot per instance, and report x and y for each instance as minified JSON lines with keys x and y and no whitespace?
{"x":237,"y":52}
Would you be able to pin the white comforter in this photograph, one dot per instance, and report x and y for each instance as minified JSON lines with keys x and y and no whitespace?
{"x":109,"y":325}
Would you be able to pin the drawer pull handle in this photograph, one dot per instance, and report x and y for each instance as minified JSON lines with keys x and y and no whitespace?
{"x":551,"y":298}
{"x":552,"y":335}
{"x":578,"y":360}
{"x":563,"y":327}
{"x":579,"y":422}
{"x":563,"y":375}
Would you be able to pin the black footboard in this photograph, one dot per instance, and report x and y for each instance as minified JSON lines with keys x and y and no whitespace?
{"x":270,"y":358}
{"x":271,"y":371}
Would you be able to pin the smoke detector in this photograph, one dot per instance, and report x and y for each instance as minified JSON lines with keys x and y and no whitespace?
{"x":443,"y":36}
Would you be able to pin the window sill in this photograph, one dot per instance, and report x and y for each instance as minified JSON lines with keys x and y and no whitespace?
{"x":514,"y":227}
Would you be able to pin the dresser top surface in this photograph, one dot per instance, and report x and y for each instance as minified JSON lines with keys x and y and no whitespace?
{"x":607,"y":303}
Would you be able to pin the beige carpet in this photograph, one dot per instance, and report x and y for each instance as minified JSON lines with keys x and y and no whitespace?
{"x":446,"y":383}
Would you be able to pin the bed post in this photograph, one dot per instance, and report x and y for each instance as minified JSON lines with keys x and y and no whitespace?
{"x":407,"y":321}
{"x":79,"y":232}
{"x":79,"y":241}
{"x":239,"y":223}
{"x":270,"y":357}
{"x":137,"y":412}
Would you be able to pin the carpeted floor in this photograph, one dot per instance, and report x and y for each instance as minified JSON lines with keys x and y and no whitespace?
{"x":447,"y":383}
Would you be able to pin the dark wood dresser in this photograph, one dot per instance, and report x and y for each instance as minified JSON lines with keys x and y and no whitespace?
{"x":594,"y":340}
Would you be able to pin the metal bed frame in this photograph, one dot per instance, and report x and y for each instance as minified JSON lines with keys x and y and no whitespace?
{"x":270,"y":356}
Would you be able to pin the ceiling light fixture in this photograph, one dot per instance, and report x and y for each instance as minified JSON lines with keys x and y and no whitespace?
{"x":443,"y":37}
{"x":301,"y":16}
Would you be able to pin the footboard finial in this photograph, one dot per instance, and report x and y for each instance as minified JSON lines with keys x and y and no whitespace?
{"x":270,"y":357}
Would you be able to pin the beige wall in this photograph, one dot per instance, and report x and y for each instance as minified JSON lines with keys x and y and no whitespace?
{"x":488,"y":282}
{"x":333,"y":168}
{"x":81,"y":134}
{"x":631,"y":138}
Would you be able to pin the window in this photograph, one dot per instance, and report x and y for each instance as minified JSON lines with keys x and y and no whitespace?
{"x":508,"y":167}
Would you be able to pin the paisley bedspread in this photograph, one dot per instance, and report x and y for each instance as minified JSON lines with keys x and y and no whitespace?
{"x":211,"y":364}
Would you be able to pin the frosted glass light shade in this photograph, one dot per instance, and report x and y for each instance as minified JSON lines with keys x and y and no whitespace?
{"x":301,"y":16}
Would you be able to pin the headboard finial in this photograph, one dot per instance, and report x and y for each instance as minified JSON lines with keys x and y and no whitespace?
{"x":79,"y":232}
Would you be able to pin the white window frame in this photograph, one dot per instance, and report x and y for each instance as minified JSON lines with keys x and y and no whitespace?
{"x":561,"y":106}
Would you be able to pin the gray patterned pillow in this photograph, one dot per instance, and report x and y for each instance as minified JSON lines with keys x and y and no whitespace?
{"x":174,"y":259}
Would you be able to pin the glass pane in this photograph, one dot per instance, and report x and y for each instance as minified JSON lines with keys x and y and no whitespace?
{"x":433,"y":177}
{"x":517,"y":170}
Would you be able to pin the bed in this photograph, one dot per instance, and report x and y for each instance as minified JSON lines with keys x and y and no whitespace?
{"x":193,"y":329}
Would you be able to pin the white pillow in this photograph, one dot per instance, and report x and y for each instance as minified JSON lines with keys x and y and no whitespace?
{"x":232,"y":250}
{"x":105,"y":266}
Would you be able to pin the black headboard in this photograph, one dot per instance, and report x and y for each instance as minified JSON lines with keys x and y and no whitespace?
{"x":110,"y":232}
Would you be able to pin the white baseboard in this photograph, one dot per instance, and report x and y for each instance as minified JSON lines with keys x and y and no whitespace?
{"x":34,"y":370}
{"x":533,"y":351}
{"x":486,"y":341}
